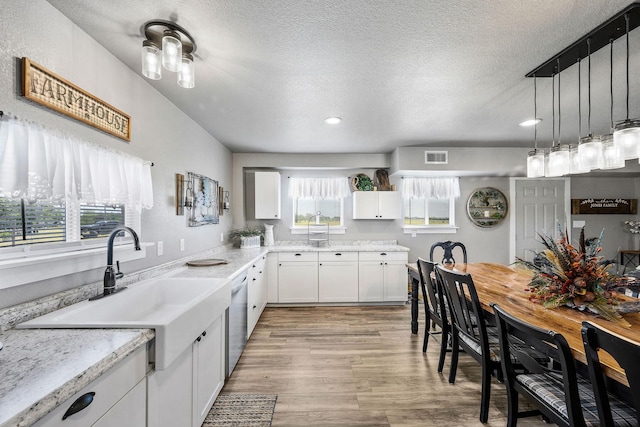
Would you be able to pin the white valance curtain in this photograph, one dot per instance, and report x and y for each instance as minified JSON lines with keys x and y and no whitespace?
{"x":437,"y":188}
{"x":36,"y":164}
{"x":319,"y":188}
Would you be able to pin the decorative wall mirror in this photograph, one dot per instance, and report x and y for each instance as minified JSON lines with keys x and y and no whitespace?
{"x":487,"y":207}
{"x":201,"y":200}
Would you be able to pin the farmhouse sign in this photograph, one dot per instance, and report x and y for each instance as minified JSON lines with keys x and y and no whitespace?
{"x":46,"y":88}
{"x":604,"y":206}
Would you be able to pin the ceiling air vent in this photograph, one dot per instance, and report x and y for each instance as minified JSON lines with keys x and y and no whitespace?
{"x":436,"y":157}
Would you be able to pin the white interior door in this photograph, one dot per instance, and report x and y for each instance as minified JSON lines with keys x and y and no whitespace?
{"x":538,"y":206}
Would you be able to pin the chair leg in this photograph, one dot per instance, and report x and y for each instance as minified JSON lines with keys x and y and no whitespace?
{"x":454,"y":358}
{"x":443,"y":349}
{"x":425,"y":342}
{"x":512,"y":408}
{"x":486,"y":393}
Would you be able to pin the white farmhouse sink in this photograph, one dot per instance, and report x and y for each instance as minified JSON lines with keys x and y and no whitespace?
{"x":179,"y":309}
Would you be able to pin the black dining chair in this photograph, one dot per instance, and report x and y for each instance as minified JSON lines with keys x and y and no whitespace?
{"x":447,"y":249}
{"x":612,"y":411}
{"x":435,"y":308}
{"x":470,"y":331}
{"x":550,"y":383}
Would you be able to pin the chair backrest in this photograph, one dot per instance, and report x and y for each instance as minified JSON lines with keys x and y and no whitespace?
{"x":467,"y":315}
{"x":625,"y":352}
{"x":543,"y":342}
{"x":431,"y":289}
{"x":448,"y":247}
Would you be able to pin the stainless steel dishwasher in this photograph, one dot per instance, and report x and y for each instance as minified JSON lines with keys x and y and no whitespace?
{"x":236,"y":321}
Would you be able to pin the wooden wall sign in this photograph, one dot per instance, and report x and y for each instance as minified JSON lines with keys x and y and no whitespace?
{"x":46,"y":88}
{"x":604,"y":206}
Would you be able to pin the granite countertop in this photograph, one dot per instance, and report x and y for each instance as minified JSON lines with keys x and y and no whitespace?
{"x":41,"y":368}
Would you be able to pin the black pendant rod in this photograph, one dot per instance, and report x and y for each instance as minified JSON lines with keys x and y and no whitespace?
{"x":600,"y":37}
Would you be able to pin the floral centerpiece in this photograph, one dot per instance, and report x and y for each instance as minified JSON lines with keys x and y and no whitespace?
{"x":573,"y":277}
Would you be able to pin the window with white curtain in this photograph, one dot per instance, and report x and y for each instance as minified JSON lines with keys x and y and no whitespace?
{"x":57,"y":189}
{"x":318,"y":195}
{"x":429,"y":204}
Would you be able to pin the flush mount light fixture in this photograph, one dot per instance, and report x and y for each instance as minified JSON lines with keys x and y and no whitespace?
{"x":530,"y":122}
{"x":332,"y":120}
{"x":167,"y":45}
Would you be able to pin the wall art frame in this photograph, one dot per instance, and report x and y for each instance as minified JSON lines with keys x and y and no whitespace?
{"x":202,"y":200}
{"x":487,"y":207}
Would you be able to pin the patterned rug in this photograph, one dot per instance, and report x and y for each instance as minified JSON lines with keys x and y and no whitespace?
{"x":241,"y":410}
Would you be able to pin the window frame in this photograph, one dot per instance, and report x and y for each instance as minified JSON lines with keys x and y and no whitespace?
{"x":302,"y":229}
{"x":414,"y":229}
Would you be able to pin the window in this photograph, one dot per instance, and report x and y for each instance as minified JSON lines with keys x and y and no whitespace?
{"x":305,"y":208}
{"x":431,"y":212}
{"x":22,"y":222}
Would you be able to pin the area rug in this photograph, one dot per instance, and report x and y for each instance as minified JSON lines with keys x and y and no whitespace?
{"x":242,"y":410}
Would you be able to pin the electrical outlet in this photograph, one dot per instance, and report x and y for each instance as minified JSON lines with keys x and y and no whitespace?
{"x":579,"y":224}
{"x":160,"y":248}
{"x":413,"y":233}
{"x":181,"y":245}
{"x":222,"y":237}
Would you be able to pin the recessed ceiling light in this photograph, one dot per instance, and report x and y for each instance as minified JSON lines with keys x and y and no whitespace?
{"x":529,"y":122}
{"x":332,"y":120}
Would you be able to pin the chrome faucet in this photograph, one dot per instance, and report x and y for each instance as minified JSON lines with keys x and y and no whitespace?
{"x":110,"y":276}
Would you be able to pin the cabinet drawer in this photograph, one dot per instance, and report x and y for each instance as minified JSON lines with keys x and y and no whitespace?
{"x":388,"y":256}
{"x":337,"y":256}
{"x":108,"y":389}
{"x":298,"y":256}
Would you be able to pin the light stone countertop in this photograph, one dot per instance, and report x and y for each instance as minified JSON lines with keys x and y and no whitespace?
{"x":41,"y":368}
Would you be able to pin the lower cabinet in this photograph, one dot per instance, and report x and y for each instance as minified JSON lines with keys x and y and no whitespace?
{"x":115,"y":399}
{"x":338,"y":277}
{"x":182,"y":394}
{"x":256,"y":293}
{"x":383,"y":277}
{"x":298,"y":277}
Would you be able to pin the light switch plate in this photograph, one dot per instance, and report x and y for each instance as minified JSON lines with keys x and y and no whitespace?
{"x":579,"y":224}
{"x":181,"y":245}
{"x":160,"y":248}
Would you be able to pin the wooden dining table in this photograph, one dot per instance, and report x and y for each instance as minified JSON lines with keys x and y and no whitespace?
{"x":506,"y":286}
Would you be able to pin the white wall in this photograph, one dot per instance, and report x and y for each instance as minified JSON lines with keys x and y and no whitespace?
{"x":160,"y":132}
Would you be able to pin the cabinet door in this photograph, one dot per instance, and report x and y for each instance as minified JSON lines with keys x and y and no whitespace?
{"x":389,"y":205}
{"x":267,"y":195}
{"x":272,"y":277}
{"x":256,"y":293}
{"x":208,"y":370}
{"x":337,"y":281}
{"x":298,"y":281}
{"x":371,"y":281}
{"x":395,"y":281}
{"x":365,"y":205}
{"x":130,"y":411}
{"x":169,"y":394}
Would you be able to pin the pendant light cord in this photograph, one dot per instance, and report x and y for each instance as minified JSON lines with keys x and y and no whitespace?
{"x":553,"y":109}
{"x":626,"y":18}
{"x":535,"y":113}
{"x":611,"y":81}
{"x":589,"y":85}
{"x":579,"y":103}
{"x":559,"y":107}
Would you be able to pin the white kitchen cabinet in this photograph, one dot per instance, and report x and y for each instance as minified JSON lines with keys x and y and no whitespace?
{"x":121,"y":388}
{"x":383,"y":276}
{"x":377,"y":205}
{"x":256,"y":292}
{"x":208,"y":370}
{"x":183,"y":393}
{"x":297,"y":277}
{"x":272,"y":277}
{"x":267,"y":195}
{"x":338,"y":277}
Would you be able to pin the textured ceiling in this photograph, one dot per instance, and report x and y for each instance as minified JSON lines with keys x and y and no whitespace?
{"x":399,"y":73}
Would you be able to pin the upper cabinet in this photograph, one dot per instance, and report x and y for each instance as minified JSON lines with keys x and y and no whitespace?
{"x":267,"y":195}
{"x":377,"y":205}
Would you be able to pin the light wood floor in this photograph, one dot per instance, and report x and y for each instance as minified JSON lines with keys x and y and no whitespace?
{"x":359,"y":366}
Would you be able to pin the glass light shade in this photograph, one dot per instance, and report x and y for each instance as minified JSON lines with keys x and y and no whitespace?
{"x":187,"y":75}
{"x":575,"y":166}
{"x":151,"y":61}
{"x":626,"y":136}
{"x":171,"y":51}
{"x":611,"y":154}
{"x":559,"y":160}
{"x":590,"y":151}
{"x":535,"y":163}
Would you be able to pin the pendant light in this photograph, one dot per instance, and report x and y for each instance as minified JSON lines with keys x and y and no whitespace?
{"x":535,"y":158}
{"x":612,"y":157}
{"x":575,"y":164}
{"x":559,"y":160}
{"x":626,"y":134}
{"x":590,"y":147}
